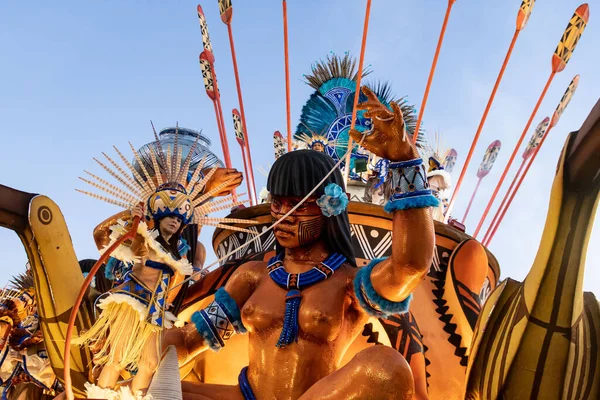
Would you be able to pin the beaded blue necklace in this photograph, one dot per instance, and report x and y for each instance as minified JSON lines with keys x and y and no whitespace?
{"x":294,"y":283}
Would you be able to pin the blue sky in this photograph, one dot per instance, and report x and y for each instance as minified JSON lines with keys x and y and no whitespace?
{"x":78,"y":78}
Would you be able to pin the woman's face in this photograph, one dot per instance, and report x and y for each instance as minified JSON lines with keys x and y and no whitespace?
{"x":170,"y":225}
{"x":301,"y":228}
{"x":318,"y":146}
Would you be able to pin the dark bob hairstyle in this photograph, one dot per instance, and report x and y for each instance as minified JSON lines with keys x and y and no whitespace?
{"x":295,"y":174}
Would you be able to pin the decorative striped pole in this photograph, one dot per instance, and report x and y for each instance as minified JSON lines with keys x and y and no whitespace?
{"x":564,"y":102}
{"x":489,"y":158}
{"x":560,"y":58}
{"x":522,"y":19}
{"x":226,"y":11}
{"x":533,"y":143}
{"x":238,"y":128}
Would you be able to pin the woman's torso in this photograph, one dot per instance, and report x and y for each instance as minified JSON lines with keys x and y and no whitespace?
{"x":329,"y":320}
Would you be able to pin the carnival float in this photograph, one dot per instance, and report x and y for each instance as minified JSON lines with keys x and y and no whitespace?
{"x":352,"y":280}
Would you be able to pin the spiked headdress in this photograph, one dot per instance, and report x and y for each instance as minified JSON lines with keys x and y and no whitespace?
{"x":171,"y":192}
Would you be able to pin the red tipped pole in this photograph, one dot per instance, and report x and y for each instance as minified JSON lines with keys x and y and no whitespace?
{"x":513,"y":155}
{"x":533,"y":143}
{"x":560,"y":58}
{"x":493,"y":228}
{"x":212,"y":90}
{"x":238,"y":127}
{"x":432,"y":70}
{"x":489,"y":158}
{"x":286,"y":52}
{"x":522,"y":19}
{"x":471,"y":201}
{"x":532,"y":151}
{"x":278,"y":144}
{"x":361,"y":63}
{"x":207,"y":61}
{"x":226,"y":10}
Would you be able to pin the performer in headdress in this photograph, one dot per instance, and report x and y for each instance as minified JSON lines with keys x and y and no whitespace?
{"x":305,"y":306}
{"x":439,"y":180}
{"x":126,"y":334}
{"x":25,"y":370}
{"x":197,"y":145}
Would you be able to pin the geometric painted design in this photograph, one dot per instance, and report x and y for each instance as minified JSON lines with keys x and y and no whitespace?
{"x":373,"y":242}
{"x":441,"y":257}
{"x":524,"y":13}
{"x":338,"y":96}
{"x":369,"y":242}
{"x":238,"y":128}
{"x":536,"y":138}
{"x":207,"y":75}
{"x":158,"y":306}
{"x":219,"y":321}
{"x":224,"y":5}
{"x":204,"y":31}
{"x":469,"y":301}
{"x":450,"y":160}
{"x":255,"y":249}
{"x":439,"y":282}
{"x":486,"y":289}
{"x":404,"y":334}
{"x":278,"y":145}
{"x":338,"y":134}
{"x":155,"y":303}
{"x":489,"y":158}
{"x":564,"y":102}
{"x":570,"y":37}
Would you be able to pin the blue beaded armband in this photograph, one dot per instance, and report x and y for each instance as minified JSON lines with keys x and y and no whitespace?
{"x":371,"y":301}
{"x":411,"y":190}
{"x":219,"y":321}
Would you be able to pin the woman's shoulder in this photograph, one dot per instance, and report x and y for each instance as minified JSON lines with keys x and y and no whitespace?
{"x":251,"y":270}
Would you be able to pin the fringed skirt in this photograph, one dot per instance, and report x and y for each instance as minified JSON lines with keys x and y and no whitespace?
{"x":130,"y":316}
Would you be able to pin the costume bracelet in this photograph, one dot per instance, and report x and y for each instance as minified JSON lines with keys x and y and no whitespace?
{"x":410,"y":187}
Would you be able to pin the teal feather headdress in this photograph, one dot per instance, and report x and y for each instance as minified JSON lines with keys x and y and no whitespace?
{"x":328,"y":111}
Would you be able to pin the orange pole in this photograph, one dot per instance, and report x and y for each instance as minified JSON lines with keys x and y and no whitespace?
{"x":249,"y":170}
{"x":287,"y":77}
{"x":361,"y":63}
{"x":481,"y":124}
{"x":512,"y":196}
{"x":510,"y":188}
{"x":244,"y":157}
{"x":86,"y":283}
{"x":432,"y":70}
{"x":514,"y":154}
{"x":471,"y":201}
{"x":221,"y":123}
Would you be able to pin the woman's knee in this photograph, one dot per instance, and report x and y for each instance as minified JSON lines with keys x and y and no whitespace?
{"x":386,"y":369}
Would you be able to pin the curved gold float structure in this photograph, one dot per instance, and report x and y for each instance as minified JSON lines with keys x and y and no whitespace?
{"x":40,"y":225}
{"x":540,"y":338}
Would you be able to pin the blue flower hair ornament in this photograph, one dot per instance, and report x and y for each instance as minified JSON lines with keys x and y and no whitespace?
{"x":334,"y":201}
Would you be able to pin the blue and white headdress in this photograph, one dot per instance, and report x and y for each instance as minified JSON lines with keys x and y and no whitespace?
{"x":327,"y":115}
